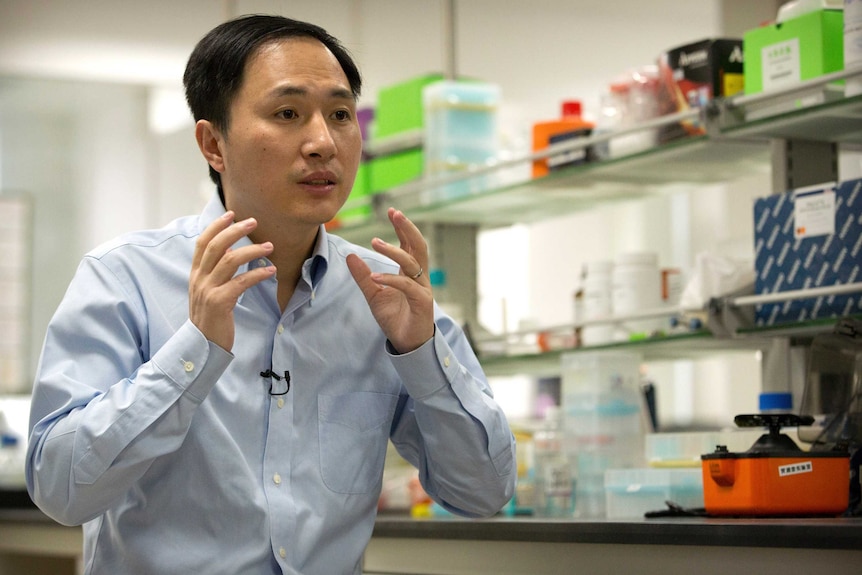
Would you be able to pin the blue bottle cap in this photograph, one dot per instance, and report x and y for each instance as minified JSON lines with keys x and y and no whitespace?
{"x":776,"y":401}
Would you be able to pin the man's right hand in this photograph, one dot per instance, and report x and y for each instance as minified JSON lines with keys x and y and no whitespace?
{"x":214,"y":286}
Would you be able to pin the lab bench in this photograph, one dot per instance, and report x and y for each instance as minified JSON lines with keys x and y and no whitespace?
{"x":32,"y":543}
{"x":707,"y":546}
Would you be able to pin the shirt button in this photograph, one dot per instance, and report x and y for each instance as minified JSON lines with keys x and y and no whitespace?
{"x":446,"y":361}
{"x":276,"y":479}
{"x":188,"y":366}
{"x":282,"y":552}
{"x":280,"y":328}
{"x":280,"y":402}
{"x":261,"y":262}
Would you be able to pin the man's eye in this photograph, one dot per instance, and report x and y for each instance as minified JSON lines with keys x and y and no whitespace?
{"x":287,"y":114}
{"x":342,"y":115}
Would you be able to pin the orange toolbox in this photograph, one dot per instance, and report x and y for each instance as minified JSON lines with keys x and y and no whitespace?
{"x":775,"y":477}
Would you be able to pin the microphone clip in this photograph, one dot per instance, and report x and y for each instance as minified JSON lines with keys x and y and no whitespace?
{"x":271,"y":375}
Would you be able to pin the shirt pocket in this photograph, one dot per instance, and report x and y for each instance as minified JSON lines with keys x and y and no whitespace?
{"x":354,"y":432}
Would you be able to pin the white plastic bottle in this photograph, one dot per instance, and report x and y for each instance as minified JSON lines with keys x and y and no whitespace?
{"x":636,"y":288}
{"x":597,"y":302}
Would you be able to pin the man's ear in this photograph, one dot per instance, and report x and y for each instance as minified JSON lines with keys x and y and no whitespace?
{"x":209,"y":141}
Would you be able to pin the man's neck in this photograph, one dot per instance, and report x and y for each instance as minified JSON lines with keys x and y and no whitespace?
{"x":288,"y":256}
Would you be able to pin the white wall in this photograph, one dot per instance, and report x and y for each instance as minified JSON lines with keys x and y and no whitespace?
{"x":97,"y":170}
{"x":81,"y":151}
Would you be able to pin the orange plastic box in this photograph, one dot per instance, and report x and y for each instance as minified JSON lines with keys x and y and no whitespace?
{"x":758,"y":484}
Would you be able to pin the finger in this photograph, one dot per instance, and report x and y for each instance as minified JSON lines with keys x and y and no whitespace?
{"x":412,"y":288}
{"x":237,"y":284}
{"x":409,"y":264}
{"x":411,"y":239}
{"x":232,"y":259}
{"x":362,"y":276}
{"x":208,"y":234}
{"x":215,"y":250}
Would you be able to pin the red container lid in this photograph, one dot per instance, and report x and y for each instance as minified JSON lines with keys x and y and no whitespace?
{"x":571,"y":108}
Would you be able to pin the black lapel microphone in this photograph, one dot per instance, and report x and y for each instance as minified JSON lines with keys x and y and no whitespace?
{"x":274,"y":376}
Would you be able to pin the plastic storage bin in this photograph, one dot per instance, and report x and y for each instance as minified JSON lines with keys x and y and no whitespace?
{"x":630,"y":493}
{"x":602,"y":421}
{"x":461,"y":133}
{"x":680,"y":449}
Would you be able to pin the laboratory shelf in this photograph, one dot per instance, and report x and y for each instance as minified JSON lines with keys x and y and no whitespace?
{"x":735,"y":145}
{"x":692,"y":345}
{"x":476,"y":199}
{"x":739,"y":142}
{"x":815,"y":110}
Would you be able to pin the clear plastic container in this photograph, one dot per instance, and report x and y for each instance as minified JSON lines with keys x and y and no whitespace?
{"x":11,"y":462}
{"x":461,"y":133}
{"x":630,"y":493}
{"x":554,"y":475}
{"x":603,"y":421}
{"x":683,"y":449}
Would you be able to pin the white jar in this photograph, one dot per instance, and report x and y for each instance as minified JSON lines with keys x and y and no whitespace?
{"x":636,"y":288}
{"x":597,"y":302}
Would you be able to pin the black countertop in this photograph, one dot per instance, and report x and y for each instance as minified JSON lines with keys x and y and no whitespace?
{"x":806,"y":533}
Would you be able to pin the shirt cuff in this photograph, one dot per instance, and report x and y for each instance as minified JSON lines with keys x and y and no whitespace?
{"x":427,"y":368}
{"x":191,"y":361}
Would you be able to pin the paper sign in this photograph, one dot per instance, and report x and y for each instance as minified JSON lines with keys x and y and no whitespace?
{"x":814,"y":215}
{"x":780,"y":64}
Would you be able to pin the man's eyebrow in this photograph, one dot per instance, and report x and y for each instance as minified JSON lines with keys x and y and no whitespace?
{"x":287,"y":90}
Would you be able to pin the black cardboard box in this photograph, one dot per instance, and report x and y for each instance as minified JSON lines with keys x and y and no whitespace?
{"x":691,"y":76}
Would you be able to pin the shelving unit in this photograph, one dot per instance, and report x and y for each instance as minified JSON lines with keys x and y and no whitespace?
{"x":794,"y":134}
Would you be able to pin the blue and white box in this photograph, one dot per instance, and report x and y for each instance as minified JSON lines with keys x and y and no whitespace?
{"x":806,"y":239}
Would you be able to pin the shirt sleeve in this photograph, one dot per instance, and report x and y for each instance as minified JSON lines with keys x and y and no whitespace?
{"x":451,"y":428}
{"x":103,"y":409}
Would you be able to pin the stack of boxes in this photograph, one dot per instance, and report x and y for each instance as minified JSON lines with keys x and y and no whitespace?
{"x":691,"y":76}
{"x":399,"y":110}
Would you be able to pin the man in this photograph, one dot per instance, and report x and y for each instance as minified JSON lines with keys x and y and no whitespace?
{"x":216,"y":396}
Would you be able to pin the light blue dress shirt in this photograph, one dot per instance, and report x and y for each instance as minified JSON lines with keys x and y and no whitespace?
{"x":178,"y":457}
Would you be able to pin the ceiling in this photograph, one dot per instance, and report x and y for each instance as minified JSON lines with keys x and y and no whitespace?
{"x":112,"y":40}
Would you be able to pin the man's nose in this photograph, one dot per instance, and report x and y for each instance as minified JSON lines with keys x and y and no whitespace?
{"x":319,"y":141}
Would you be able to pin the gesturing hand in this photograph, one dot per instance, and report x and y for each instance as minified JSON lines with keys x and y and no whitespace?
{"x":214,"y":286}
{"x":401,"y":303}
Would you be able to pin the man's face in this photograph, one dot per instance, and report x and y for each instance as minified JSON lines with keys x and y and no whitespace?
{"x":293,"y":143}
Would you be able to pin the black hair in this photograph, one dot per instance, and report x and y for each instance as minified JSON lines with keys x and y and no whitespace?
{"x":214,"y":73}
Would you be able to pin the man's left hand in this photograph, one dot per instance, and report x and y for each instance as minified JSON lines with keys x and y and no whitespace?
{"x":401,"y":303}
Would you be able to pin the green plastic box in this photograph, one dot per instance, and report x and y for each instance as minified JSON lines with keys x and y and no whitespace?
{"x":399,"y":109}
{"x":387,"y":172}
{"x":358,"y":206}
{"x":799,"y":49}
{"x":399,"y":106}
